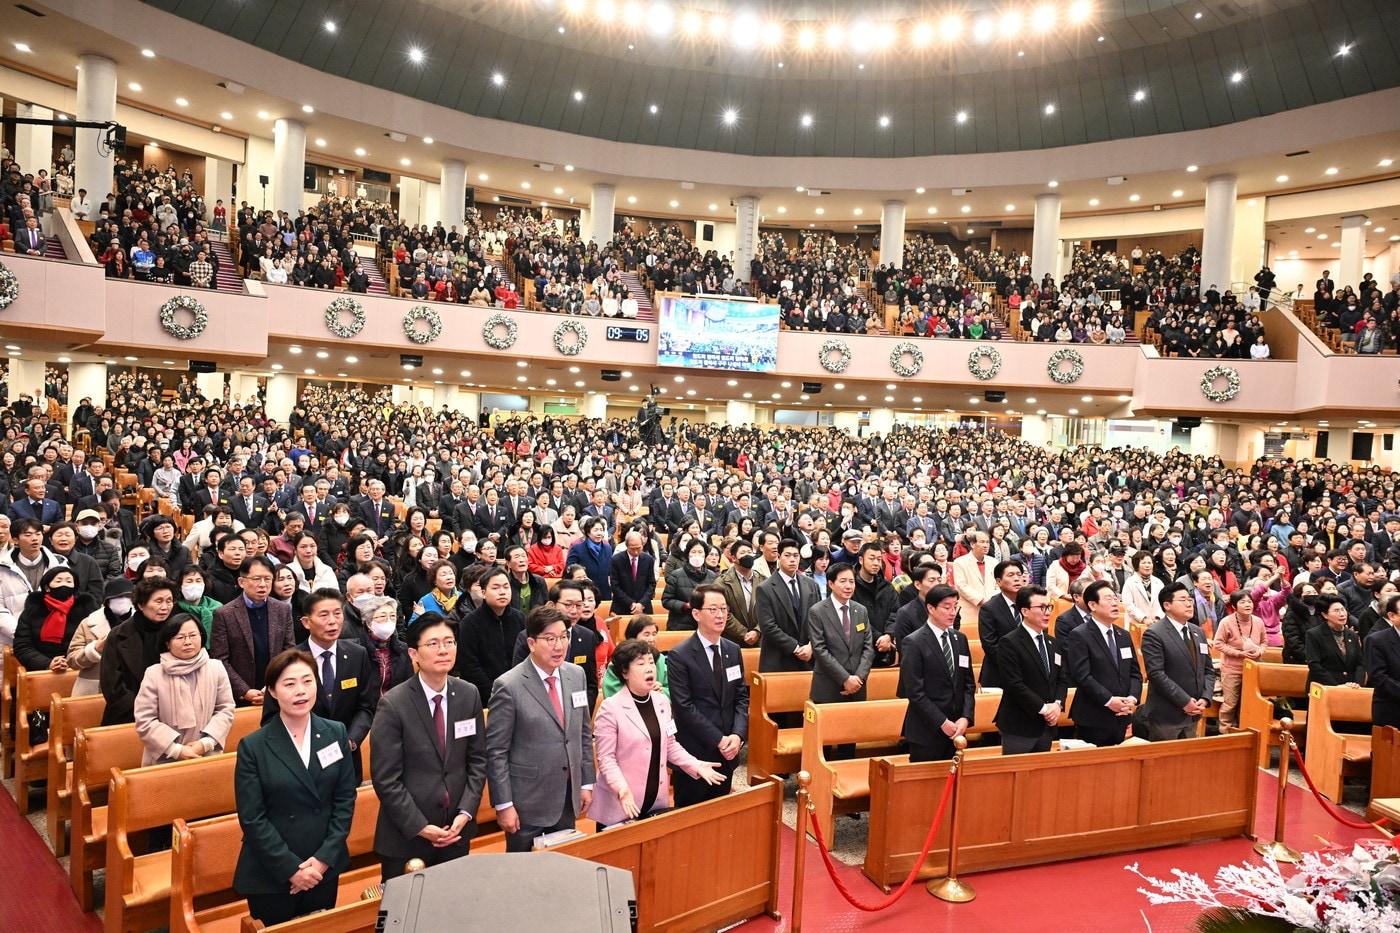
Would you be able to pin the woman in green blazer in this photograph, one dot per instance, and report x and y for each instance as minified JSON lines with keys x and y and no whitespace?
{"x":295,"y":788}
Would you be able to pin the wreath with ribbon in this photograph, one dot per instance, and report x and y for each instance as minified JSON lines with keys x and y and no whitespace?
{"x":9,"y":287}
{"x":563,"y":344}
{"x":335,"y":313}
{"x":1058,"y":371}
{"x":1212,"y":376}
{"x":426,"y":315}
{"x":835,"y":356}
{"x":984,"y":362}
{"x":916,"y":359}
{"x":500,"y":332}
{"x":199,"y":321}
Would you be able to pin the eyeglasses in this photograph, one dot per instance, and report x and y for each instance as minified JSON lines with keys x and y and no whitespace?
{"x":1039,"y":607}
{"x":715,"y":610}
{"x":437,"y":643}
{"x":553,"y":640}
{"x":186,"y":636}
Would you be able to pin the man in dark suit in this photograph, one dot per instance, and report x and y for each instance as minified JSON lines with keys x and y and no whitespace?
{"x":783,"y":602}
{"x":377,"y":514}
{"x":1075,"y":615}
{"x":935,"y":676}
{"x":1180,"y":676}
{"x":250,"y":631}
{"x":539,"y":738}
{"x":998,"y":617}
{"x":1104,"y":670}
{"x":632,"y":575}
{"x":35,"y":502}
{"x":843,"y":648}
{"x":429,"y":760}
{"x":709,"y":698}
{"x":492,"y":519}
{"x":913,"y":615}
{"x":211,"y":493}
{"x":250,"y":507}
{"x":1032,"y":678}
{"x":29,"y":239}
{"x":1382,"y":660}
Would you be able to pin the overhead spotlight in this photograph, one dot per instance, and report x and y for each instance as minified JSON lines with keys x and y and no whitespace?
{"x":1178,"y":193}
{"x":966,"y":208}
{"x":781,"y":209}
{"x":717,"y":26}
{"x":578,"y":96}
{"x":730,"y":116}
{"x":1080,"y":10}
{"x":1385,"y":163}
{"x":747,"y":30}
{"x":1049,"y":110}
{"x":1139,"y":95}
{"x":950,"y":27}
{"x":359,"y":150}
{"x":806,"y":119}
{"x":415,"y":55}
{"x":1093,"y":202}
{"x":145,"y":53}
{"x":1236,"y":77}
{"x":605,"y":11}
{"x":307,"y":108}
{"x":427,"y":140}
{"x":983,"y":29}
{"x":653,"y":109}
{"x":820,"y":211}
{"x":1193,"y":168}
{"x":226,"y":115}
{"x":1052,"y":183}
{"x":405,"y":162}
{"x":691,"y":22}
{"x":932,"y":210}
{"x":498,"y":79}
{"x":262,"y":114}
{"x":884,"y":121}
{"x":525,"y":185}
{"x":568,"y":168}
{"x":1281,"y":178}
{"x":1011,"y":23}
{"x":660,"y":19}
{"x":631,"y":199}
{"x":320,"y":142}
{"x":806,"y":38}
{"x":714,"y":207}
{"x":329,"y":26}
{"x":1344,"y":48}
{"x":1309,"y":229}
{"x":835,"y":36}
{"x":922,"y":34}
{"x":134,"y":87}
{"x":182,"y":102}
{"x":1331,"y":170}
{"x":558,"y":190}
{"x":674,"y":204}
{"x":1043,"y":17}
{"x":961,"y":116}
{"x":858,"y":211}
{"x":1134,"y":198}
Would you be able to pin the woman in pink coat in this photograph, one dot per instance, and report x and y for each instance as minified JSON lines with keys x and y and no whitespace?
{"x":634,"y":737}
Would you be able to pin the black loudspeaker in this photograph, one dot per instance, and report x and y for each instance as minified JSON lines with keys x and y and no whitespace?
{"x":203,"y":366}
{"x":1362,"y":446}
{"x":521,"y":891}
{"x":993,"y":395}
{"x":308,"y":177}
{"x":263,"y":180}
{"x":707,"y":232}
{"x":410,"y":359}
{"x":1186,"y":424}
{"x":612,"y":375}
{"x":471,"y":198}
{"x":811,"y":388}
{"x":1320,"y":448}
{"x":1389,"y":442}
{"x":118,"y":138}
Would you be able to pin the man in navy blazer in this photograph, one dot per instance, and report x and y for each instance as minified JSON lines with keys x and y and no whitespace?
{"x":935,"y":676}
{"x":709,"y":698}
{"x":35,"y":502}
{"x":632,"y":575}
{"x":1032,"y":678}
{"x":1382,"y":658}
{"x":1103,"y":668}
{"x":377,"y":514}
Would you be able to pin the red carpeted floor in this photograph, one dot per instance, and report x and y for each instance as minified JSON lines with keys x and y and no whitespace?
{"x":34,"y":893}
{"x":1083,"y":896}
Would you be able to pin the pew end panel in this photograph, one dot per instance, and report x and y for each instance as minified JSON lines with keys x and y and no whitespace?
{"x":66,"y":716}
{"x":1262,"y":684}
{"x":1332,"y":756}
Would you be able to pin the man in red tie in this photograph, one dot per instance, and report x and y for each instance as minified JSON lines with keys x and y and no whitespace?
{"x":632,"y":575}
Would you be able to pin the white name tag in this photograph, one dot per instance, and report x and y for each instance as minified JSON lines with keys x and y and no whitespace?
{"x":734,"y":672}
{"x":464,"y":728}
{"x":964,"y":661}
{"x":1125,"y":653}
{"x":580,"y":698}
{"x":1205,"y":649}
{"x":1057,"y":659}
{"x":671,"y":727}
{"x":329,"y":755}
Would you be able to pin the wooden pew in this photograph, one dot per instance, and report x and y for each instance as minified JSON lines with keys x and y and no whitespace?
{"x":666,"y":641}
{"x":205,"y":854}
{"x":96,"y":752}
{"x":1263,"y":683}
{"x":9,"y":675}
{"x":34,"y":692}
{"x":1385,"y":769}
{"x":66,"y":716}
{"x":356,"y":917}
{"x":142,"y":799}
{"x":776,"y":750}
{"x":1332,"y":755}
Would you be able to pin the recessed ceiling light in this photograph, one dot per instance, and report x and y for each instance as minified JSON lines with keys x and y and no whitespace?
{"x":1093,"y":202}
{"x":1331,"y":170}
{"x":130,"y":359}
{"x":654,"y":109}
{"x":359,"y":150}
{"x":579,"y":384}
{"x":1309,"y":229}
{"x":568,"y":168}
{"x":1344,"y":48}
{"x":1281,"y":178}
{"x":1140,"y":95}
{"x":967,"y":208}
{"x":407,"y":162}
{"x":884,"y":120}
{"x":781,"y":209}
{"x":1378,"y":230}
{"x":182,"y":102}
{"x":920,"y":190}
{"x":1322,"y":236}
{"x":1336,"y":244}
{"x":1049,"y":110}
{"x":1052,"y":183}
{"x":1010,"y":207}
{"x":1236,"y":77}
{"x":415,"y":55}
{"x":578,"y":96}
{"x":1086,"y":398}
{"x":714,"y":207}
{"x":1135,"y":198}
{"x":483,"y":177}
{"x":145,"y":53}
{"x":1100,"y":39}
{"x":675,"y":204}
{"x":1192,"y":168}
{"x":974,"y":400}
{"x":961,"y":116}
{"x":1385,"y":163}
{"x":322,"y":354}
{"x":858,"y":211}
{"x":352,"y":359}
{"x":1178,"y":193}
{"x":1198,"y":15}
{"x":498,"y":79}
{"x":932,"y":210}
{"x":806,"y":119}
{"x":820,"y":211}
{"x":548,"y":382}
{"x":680,"y":378}
{"x":307,"y":108}
{"x":329,"y":26}
{"x":320,"y":141}
{"x":1074,"y":411}
{"x":558,"y":190}
{"x":133,"y":86}
{"x":631,"y":199}
{"x":525,"y":185}
{"x":226,"y":115}
{"x":295,"y":351}
{"x":1030,"y":400}
{"x":277,"y":366}
{"x":264,"y":115}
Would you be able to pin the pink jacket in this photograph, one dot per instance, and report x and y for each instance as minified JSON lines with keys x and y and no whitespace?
{"x":623,"y":748}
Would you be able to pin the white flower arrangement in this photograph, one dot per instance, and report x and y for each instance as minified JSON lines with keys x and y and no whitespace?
{"x":835,"y":356}
{"x":500,"y":332}
{"x":1337,"y":891}
{"x":984,"y":362}
{"x":916,"y":359}
{"x":1211,"y":378}
{"x":9,"y":287}
{"x":1058,"y":371}
{"x":200,"y":317}
{"x":426,"y":315}
{"x":570,"y":347}
{"x":335,"y":312}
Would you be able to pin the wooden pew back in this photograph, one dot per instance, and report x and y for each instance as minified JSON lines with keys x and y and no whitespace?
{"x":1331,"y":755}
{"x":776,"y":750}
{"x":34,"y":692}
{"x":9,"y":673}
{"x":1262,"y":684}
{"x":844,"y":786}
{"x":66,"y":716}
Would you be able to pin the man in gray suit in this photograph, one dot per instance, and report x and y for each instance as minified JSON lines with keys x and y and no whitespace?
{"x":539,"y":738}
{"x":429,"y":760}
{"x":1180,"y":676}
{"x":842,"y":649}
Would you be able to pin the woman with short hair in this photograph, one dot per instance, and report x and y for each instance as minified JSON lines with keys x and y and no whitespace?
{"x":184,"y":708}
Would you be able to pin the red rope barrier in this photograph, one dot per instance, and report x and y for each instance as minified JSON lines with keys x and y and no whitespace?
{"x":1327,"y":805}
{"x":913,"y":872}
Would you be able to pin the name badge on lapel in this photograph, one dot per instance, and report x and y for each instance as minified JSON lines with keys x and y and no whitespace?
{"x":733,"y":672}
{"x":1057,"y":659}
{"x":860,"y":627}
{"x":671,"y":727}
{"x":349,"y":683}
{"x":580,"y":658}
{"x":1125,"y":654}
{"x":329,"y":755}
{"x":964,"y":661}
{"x":1205,"y":649}
{"x":464,"y":728}
{"x":580,"y":698}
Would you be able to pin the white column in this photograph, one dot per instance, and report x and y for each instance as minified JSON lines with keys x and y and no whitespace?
{"x":97,"y":102}
{"x":281,"y":396}
{"x":738,"y":413}
{"x":87,"y":380}
{"x":452,"y":194}
{"x":288,"y":165}
{"x":847,"y":421}
{"x":1249,"y":240}
{"x":881,"y":420}
{"x":1217,"y":240}
{"x":1045,"y":237}
{"x":892,"y":234}
{"x":1035,"y":429}
{"x":600,"y":213}
{"x":34,"y":144}
{"x":1216,"y":440}
{"x":243,"y":387}
{"x":745,"y":236}
{"x":442,"y":395}
{"x":218,"y":186}
{"x":467,"y":403}
{"x":25,"y":376}
{"x":400,"y":392}
{"x":211,"y":385}
{"x":1353,"y":251}
{"x":595,"y":404}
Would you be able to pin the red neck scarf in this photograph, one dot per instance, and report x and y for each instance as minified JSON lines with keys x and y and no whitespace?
{"x":57,"y":619}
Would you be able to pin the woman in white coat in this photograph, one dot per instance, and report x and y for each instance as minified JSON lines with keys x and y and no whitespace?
{"x":1140,"y":592}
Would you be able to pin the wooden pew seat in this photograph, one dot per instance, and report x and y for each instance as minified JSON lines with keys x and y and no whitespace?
{"x":66,"y":716}
{"x":778,"y":750}
{"x":1332,"y":755}
{"x":34,"y":692}
{"x":1262,"y":684}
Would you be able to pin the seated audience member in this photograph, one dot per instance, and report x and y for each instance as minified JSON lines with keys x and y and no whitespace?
{"x":184,"y":708}
{"x":642,"y":628}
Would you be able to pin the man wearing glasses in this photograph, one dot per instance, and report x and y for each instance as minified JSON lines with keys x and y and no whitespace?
{"x":1180,"y":675}
{"x":250,"y":631}
{"x":539,"y":737}
{"x":567,"y":597}
{"x":429,"y":761}
{"x":709,"y":698}
{"x":1033,"y":678}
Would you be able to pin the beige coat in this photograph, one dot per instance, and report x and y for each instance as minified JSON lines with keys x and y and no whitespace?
{"x":164,"y":700}
{"x":83,"y":655}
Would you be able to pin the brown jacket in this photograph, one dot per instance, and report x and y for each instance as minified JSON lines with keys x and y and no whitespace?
{"x":231,"y":641}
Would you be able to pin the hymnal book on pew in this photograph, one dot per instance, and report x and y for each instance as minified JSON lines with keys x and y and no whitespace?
{"x":550,"y":840}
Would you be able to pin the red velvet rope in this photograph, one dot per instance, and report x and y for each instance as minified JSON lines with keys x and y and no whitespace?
{"x":1327,"y":805}
{"x":913,"y":872}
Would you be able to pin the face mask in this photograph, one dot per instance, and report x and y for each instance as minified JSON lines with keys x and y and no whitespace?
{"x":88,"y":532}
{"x":120,"y":606}
{"x":382,"y":631}
{"x":697,"y":560}
{"x":61,"y":593}
{"x":192,"y":592}
{"x":469,"y":545}
{"x":134,"y":563}
{"x":363,"y":601}
{"x":746,"y":561}
{"x":342,"y":519}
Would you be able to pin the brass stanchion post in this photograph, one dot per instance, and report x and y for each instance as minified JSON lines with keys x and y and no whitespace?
{"x":950,"y":888}
{"x":799,"y":849}
{"x":1280,"y":851}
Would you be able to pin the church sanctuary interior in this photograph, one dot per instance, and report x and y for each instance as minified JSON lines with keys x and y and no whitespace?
{"x":684,"y":466}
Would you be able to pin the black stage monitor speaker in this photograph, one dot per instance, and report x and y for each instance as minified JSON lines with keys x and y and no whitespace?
{"x":811,"y":388}
{"x":612,"y":375}
{"x":203,"y":366}
{"x":707,"y":233}
{"x":471,"y":198}
{"x":410,"y":359}
{"x":517,"y":891}
{"x":1186,"y":424}
{"x":993,"y":395}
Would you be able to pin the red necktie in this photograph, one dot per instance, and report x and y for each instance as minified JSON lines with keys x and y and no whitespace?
{"x":634,"y":570}
{"x":549,"y":683}
{"x":439,"y":725}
